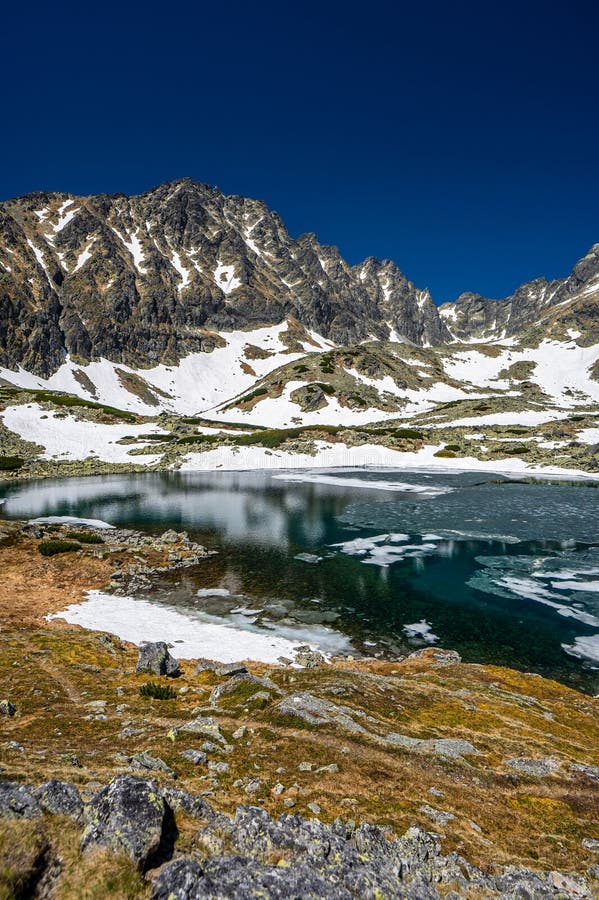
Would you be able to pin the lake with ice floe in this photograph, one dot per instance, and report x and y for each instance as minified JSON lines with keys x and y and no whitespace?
{"x":374,"y":562}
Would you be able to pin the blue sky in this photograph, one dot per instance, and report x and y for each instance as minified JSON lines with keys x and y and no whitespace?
{"x":459,"y":139}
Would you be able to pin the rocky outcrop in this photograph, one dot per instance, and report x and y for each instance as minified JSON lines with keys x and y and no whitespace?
{"x":148,"y":279}
{"x":253,"y":854}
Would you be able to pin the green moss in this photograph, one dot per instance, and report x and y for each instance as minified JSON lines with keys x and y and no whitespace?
{"x":445,"y":454}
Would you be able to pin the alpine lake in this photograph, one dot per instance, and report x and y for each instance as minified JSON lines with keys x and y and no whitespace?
{"x":377,"y":562}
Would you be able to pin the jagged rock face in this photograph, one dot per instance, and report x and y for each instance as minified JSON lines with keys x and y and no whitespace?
{"x":149,"y":279}
{"x":473,"y":316}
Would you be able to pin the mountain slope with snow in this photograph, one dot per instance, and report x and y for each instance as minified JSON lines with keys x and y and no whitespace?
{"x":183,"y":302}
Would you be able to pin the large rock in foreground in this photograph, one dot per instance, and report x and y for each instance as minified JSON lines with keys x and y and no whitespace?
{"x":128,"y":816}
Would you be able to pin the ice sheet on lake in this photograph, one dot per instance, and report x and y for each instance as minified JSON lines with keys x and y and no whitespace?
{"x":197,"y":634}
{"x":367,"y":483}
{"x":505,"y":511}
{"x":384,"y":549}
{"x":541,"y":579}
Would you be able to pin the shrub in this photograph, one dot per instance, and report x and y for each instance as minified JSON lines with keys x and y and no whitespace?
{"x":85,"y":537}
{"x":446,"y":454}
{"x":157,"y":691}
{"x":409,"y":433}
{"x":70,"y":400}
{"x":326,"y":388}
{"x":258,"y":392}
{"x":9,"y":463}
{"x":452,"y":446}
{"x":51,"y":548}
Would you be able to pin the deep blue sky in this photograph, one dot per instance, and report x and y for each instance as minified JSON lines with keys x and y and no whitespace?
{"x":459,"y":139}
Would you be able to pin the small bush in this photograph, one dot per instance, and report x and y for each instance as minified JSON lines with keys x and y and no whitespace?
{"x":409,"y":433}
{"x":9,"y":463}
{"x":326,"y":388}
{"x":446,"y":454}
{"x":85,"y":537}
{"x":258,"y":392}
{"x":51,"y":548}
{"x":157,"y":691}
{"x":452,"y":447}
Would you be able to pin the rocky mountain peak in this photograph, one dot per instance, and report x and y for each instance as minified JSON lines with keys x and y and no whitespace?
{"x":141,"y":279}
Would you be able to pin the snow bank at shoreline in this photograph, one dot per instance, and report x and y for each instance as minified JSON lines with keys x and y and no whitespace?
{"x":194,"y":636}
{"x":340,"y":456}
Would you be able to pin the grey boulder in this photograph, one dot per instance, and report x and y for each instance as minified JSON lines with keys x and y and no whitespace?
{"x":128,"y":816}
{"x":61,"y":798}
{"x":154,"y":657}
{"x":17,"y":801}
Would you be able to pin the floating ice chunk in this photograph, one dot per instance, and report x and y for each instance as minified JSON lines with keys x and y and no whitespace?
{"x":586,"y":647}
{"x":308,"y":557}
{"x":421,"y":630}
{"x":213,"y":592}
{"x":592,"y":586}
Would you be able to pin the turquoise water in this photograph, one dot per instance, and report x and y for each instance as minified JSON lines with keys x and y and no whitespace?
{"x":502,"y":571}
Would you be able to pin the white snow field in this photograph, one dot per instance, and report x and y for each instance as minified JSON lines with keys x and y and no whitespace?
{"x":198,"y":635}
{"x":73,"y":439}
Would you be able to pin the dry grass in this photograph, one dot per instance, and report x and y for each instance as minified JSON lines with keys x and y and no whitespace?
{"x":501,"y":817}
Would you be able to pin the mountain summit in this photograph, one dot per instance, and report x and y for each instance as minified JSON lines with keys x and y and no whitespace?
{"x":149,"y":279}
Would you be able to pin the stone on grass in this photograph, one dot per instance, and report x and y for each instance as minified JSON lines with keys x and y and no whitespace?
{"x":253,"y":786}
{"x":591,"y":772}
{"x":537,"y":768}
{"x":128,"y":816}
{"x":60,"y":798}
{"x":308,"y":658}
{"x":204,"y":726}
{"x":238,"y":878}
{"x":17,"y":801}
{"x":242,"y":682}
{"x":144,"y":761}
{"x":230,"y":669}
{"x":7,"y":708}
{"x":205,"y":665}
{"x":194,"y":756}
{"x":194,"y":806}
{"x":154,"y":657}
{"x":439,"y":816}
{"x":316,"y":711}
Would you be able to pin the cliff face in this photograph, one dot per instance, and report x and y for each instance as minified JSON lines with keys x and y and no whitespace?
{"x":148,"y":279}
{"x":475,"y":317}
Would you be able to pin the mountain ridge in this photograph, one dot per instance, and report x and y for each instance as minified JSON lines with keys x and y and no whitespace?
{"x":148,"y":279}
